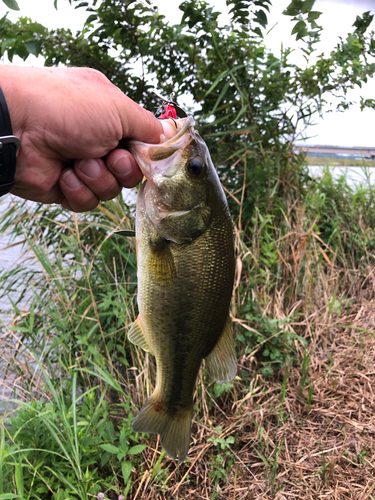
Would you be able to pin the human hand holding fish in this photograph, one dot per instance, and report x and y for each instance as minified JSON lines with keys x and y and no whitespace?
{"x":69,"y":122}
{"x":186,"y":267}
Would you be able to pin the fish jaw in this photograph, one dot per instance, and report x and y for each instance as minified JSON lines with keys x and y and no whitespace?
{"x":163,"y":159}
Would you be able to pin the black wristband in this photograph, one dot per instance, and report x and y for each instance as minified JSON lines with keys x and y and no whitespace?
{"x":9,"y":145}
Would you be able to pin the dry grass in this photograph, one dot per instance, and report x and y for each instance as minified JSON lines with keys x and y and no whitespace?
{"x":286,"y":447}
{"x":294,"y":438}
{"x":308,"y":432}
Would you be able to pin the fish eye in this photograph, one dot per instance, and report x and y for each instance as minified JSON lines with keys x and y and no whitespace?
{"x":195,"y":167}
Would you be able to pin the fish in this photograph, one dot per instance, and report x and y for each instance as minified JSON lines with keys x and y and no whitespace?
{"x":186,"y":266}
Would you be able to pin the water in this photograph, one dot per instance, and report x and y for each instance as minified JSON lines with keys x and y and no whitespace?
{"x":11,"y":255}
{"x":354,"y":175}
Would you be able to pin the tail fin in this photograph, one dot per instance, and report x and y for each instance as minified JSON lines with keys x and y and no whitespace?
{"x":174,"y":429}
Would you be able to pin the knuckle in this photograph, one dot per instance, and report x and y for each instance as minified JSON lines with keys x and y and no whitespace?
{"x":93,"y":75}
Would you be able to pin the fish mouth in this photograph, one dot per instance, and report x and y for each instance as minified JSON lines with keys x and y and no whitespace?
{"x":183,"y":124}
{"x":163,"y":158}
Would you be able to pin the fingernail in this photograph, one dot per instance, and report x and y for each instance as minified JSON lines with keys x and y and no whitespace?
{"x":71,"y":180}
{"x":169,"y":128}
{"x":123,"y":165}
{"x":91,"y":168}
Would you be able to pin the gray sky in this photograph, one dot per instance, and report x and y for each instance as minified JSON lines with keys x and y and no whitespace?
{"x":351,"y":128}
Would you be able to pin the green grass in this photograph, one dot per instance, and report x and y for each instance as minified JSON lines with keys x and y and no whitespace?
{"x":80,"y":383}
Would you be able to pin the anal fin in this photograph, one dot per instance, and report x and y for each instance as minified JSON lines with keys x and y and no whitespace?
{"x":136,"y":335}
{"x":221,"y":363}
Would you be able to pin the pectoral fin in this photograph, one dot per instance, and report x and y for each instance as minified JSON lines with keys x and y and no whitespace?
{"x":161,"y":264}
{"x":221,"y":363}
{"x":136,"y":335}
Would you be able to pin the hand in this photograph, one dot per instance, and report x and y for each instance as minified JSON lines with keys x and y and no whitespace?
{"x":70,"y":121}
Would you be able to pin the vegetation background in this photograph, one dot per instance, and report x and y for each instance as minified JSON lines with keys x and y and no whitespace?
{"x":298,"y":420}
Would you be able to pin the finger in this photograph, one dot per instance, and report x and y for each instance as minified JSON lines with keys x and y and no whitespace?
{"x":169,"y":128}
{"x":138,"y":123}
{"x":36,"y":178}
{"x":124,"y":167}
{"x":78,"y":196}
{"x":66,"y":205}
{"x":94,"y":174}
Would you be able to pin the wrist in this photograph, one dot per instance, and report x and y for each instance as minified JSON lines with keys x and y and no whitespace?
{"x":10,"y":128}
{"x":9,"y":145}
{"x":12,"y":83}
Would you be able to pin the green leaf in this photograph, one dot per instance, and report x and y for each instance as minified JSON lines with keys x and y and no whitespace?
{"x":313,"y":15}
{"x":263,"y":3}
{"x":33,"y":48}
{"x":299,"y":27}
{"x":126,"y":470}
{"x":134,"y":450}
{"x":8,"y":496}
{"x":258,"y":31}
{"x":301,"y":34}
{"x":222,"y":94}
{"x":91,"y":18}
{"x":293,"y":8}
{"x":222,"y":75}
{"x":307,"y":6}
{"x":110,"y":448}
{"x":5,"y":43}
{"x":123,"y":441}
{"x":261,"y":18}
{"x":362,"y":23}
{"x":105,"y":458}
{"x":63,"y":479}
{"x":12,"y":4}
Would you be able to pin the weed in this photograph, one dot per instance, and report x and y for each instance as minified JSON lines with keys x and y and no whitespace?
{"x":222,"y":443}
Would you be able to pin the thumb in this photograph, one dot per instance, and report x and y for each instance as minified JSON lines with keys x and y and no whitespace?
{"x":138,"y":123}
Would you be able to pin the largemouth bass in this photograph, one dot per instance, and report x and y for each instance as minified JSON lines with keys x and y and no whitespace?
{"x":186,"y":264}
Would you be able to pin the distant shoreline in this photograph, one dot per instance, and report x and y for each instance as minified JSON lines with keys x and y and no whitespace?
{"x":338,"y":162}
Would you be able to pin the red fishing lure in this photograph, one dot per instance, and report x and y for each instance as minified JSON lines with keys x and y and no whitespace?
{"x":169,"y":112}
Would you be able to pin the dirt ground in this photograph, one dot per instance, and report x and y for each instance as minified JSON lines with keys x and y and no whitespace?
{"x":309,"y":434}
